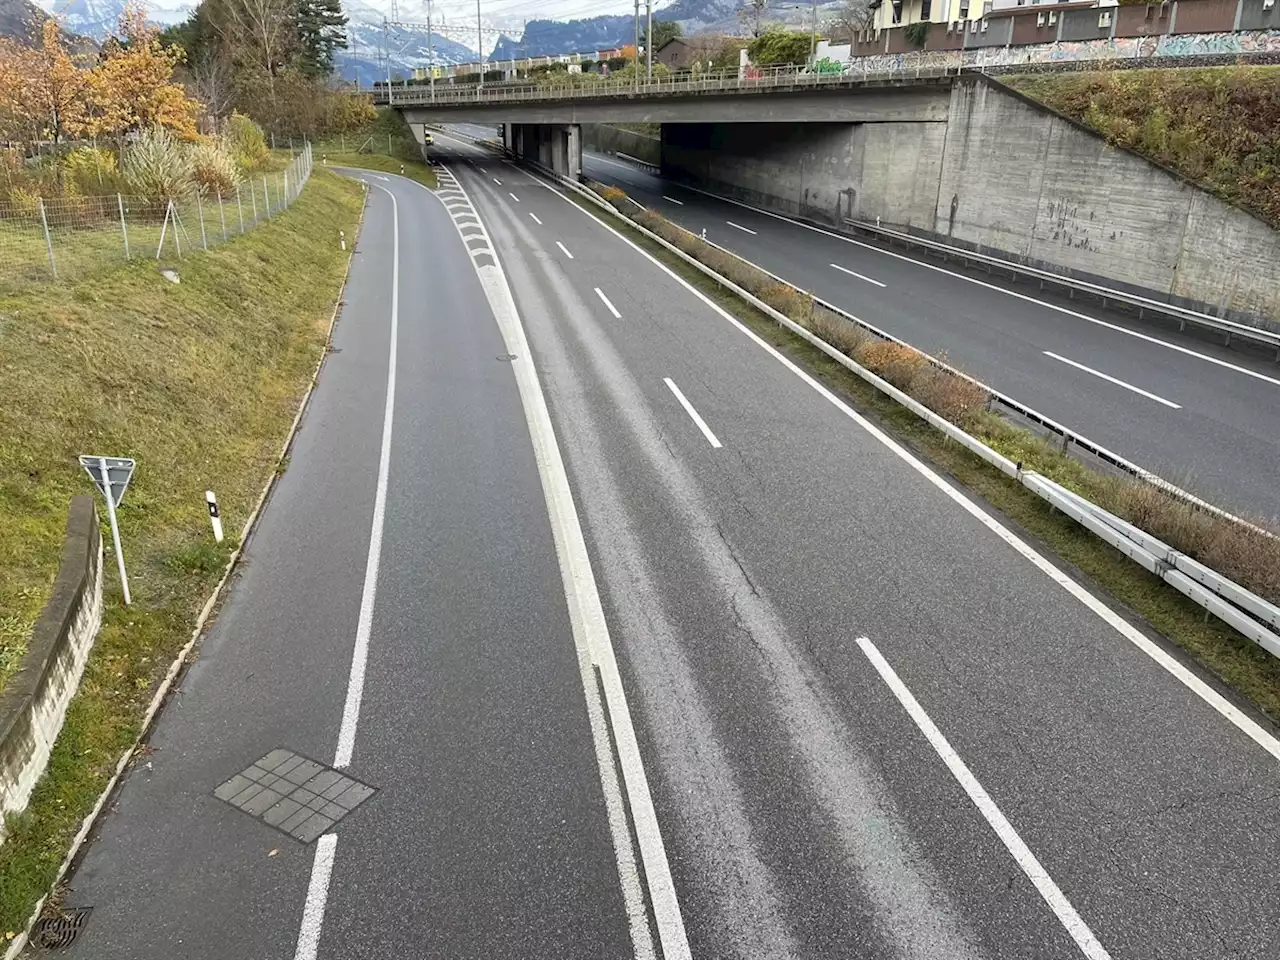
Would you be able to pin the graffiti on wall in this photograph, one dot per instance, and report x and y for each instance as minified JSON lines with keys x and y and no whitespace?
{"x":1118,"y":48}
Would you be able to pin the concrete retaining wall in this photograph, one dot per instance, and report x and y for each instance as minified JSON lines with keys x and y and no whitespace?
{"x":1003,"y":175}
{"x":607,"y":139}
{"x":34,"y":701}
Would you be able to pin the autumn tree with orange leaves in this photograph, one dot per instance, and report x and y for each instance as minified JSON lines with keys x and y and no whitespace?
{"x":45,"y":94}
{"x":133,"y":86}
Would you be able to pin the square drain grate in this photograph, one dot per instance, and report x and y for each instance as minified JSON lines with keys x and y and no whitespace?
{"x":60,"y":931}
{"x":301,"y":797}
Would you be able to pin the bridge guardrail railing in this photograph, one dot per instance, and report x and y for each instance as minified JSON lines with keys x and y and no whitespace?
{"x":766,"y":78}
{"x":1144,"y":305}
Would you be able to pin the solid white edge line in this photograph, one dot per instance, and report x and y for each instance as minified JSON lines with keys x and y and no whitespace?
{"x":739,"y":226}
{"x":535,"y":219}
{"x":322,"y":866}
{"x":693,"y":414}
{"x":612,"y":308}
{"x":1021,"y":853}
{"x":364,"y":625}
{"x":860,"y":276}
{"x":513,"y":196}
{"x":595,"y":650}
{"x":564,"y":249}
{"x":678,"y":203}
{"x":1110,"y":379}
{"x":991,"y":286}
{"x":1173,"y":667}
{"x":317,"y":899}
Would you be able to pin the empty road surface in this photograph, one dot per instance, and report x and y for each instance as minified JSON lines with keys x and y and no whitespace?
{"x":650,"y":647}
{"x":1199,"y":415}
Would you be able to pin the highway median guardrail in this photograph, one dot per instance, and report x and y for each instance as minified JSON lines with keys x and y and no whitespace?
{"x":1252,"y":616}
{"x":1108,"y":295}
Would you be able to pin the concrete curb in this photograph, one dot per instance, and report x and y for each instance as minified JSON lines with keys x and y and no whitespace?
{"x":180,"y":661}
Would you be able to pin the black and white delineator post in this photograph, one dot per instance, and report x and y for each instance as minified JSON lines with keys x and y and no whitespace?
{"x":214,"y":517}
{"x":111,"y":476}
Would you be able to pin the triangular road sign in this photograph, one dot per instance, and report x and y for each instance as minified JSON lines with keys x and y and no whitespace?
{"x":119,"y":470}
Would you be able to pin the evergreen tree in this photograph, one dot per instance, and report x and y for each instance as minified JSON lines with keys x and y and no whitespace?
{"x":321,"y":29}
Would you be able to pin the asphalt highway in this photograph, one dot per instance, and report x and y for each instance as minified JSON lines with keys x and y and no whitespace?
{"x":1202,"y":416}
{"x":852,"y":713}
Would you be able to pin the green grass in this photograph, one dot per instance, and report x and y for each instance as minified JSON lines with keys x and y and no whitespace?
{"x":1217,"y":126}
{"x":1229,"y":656}
{"x":199,"y":382}
{"x":385,"y":144}
{"x":414,"y":169}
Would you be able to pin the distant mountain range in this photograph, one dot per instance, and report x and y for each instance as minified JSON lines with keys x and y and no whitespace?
{"x":23,"y":21}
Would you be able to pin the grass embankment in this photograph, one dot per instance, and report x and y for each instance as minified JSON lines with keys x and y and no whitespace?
{"x":1217,"y":126}
{"x":1251,"y":559}
{"x":199,"y":382}
{"x":387,"y":144}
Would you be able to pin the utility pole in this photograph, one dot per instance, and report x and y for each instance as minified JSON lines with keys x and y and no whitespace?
{"x":386,"y":49}
{"x":648,"y":41}
{"x":480,"y":45}
{"x":813,"y":36}
{"x":636,"y":80}
{"x":431,"y":55}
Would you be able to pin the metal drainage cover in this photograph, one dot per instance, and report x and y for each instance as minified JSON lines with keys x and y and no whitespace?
{"x":298,"y":796}
{"x":57,"y":933}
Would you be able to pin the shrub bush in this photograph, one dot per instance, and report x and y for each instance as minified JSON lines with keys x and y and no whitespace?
{"x":245,"y":142}
{"x":157,"y":167}
{"x":213,"y":170}
{"x":91,"y":170}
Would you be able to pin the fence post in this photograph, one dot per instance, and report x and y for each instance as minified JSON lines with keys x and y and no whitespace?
{"x":204,"y":243}
{"x":388,"y":144}
{"x":287,"y":195}
{"x":266,"y":196}
{"x":223,"y":217}
{"x":123,"y":226}
{"x":239,"y":209}
{"x":48,"y":241}
{"x":253,"y":199}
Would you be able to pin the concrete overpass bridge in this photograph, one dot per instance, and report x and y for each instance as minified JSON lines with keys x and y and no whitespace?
{"x":541,"y":120}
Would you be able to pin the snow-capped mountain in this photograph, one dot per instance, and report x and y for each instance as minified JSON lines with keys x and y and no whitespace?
{"x":98,"y":18}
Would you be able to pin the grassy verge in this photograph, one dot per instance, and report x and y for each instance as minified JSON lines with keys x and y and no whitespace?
{"x":413,"y":169}
{"x":199,"y":382}
{"x":386,"y":144}
{"x":1217,"y":126}
{"x":1253,"y":560}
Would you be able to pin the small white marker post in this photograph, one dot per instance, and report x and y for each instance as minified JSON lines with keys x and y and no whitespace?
{"x":342,"y":239}
{"x":704,"y":233}
{"x":214,"y":518}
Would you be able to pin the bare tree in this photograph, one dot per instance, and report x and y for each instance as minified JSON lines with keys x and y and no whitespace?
{"x":752,"y":13}
{"x":853,"y":17}
{"x":210,"y":82}
{"x":257,"y":31}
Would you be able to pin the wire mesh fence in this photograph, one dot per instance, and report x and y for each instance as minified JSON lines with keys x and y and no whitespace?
{"x":74,"y":237}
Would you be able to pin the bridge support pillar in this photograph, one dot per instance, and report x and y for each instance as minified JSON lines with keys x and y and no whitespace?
{"x":565,"y":142}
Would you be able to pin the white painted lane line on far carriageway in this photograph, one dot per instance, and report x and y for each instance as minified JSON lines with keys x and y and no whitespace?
{"x":858,"y":275}
{"x":1110,"y":379}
